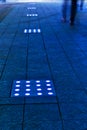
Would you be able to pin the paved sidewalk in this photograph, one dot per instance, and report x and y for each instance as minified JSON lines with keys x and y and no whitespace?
{"x":58,"y":53}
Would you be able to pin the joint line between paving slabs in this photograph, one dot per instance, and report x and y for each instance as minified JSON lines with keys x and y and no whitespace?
{"x":52,"y":78}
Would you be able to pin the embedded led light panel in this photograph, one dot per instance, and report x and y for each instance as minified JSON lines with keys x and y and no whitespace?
{"x":26,"y":88}
{"x":32,"y":31}
{"x":32,"y":15}
{"x":31,"y":8}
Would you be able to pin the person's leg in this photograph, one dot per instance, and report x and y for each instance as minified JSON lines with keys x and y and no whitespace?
{"x":73,"y":11}
{"x":64,"y":10}
{"x":81,"y":4}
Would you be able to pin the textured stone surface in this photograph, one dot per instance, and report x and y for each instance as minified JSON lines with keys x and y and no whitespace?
{"x":74,"y":111}
{"x":41,"y":112}
{"x":75,"y":124}
{"x":10,"y":126}
{"x":10,"y":113}
{"x":43,"y":125}
{"x":58,"y":53}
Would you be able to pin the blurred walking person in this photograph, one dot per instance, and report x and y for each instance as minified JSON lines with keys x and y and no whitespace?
{"x":64,"y":10}
{"x":81,"y":4}
{"x":73,"y":11}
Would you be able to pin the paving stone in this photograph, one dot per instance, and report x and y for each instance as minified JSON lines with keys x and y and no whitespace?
{"x":59,"y":53}
{"x":7,"y":36}
{"x":41,"y":112}
{"x":40,"y":100}
{"x":74,"y":111}
{"x":69,"y":95}
{"x":47,"y":124}
{"x":10,"y":113}
{"x":75,"y":124}
{"x":10,"y":126}
{"x":11,"y":101}
{"x":5,"y":87}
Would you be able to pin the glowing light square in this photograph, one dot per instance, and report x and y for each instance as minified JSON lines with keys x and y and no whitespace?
{"x":38,"y":30}
{"x":16,"y":94}
{"x":49,"y":89}
{"x":17,"y":85}
{"x":28,"y":89}
{"x":37,"y":81}
{"x":17,"y":90}
{"x":27,"y":94}
{"x":27,"y":85}
{"x":25,"y":30}
{"x":36,"y":14}
{"x":31,"y":8}
{"x":47,"y":81}
{"x":27,"y":15}
{"x":39,"y":94}
{"x":50,"y":93}
{"x":27,"y":81}
{"x":34,"y":31}
{"x":18,"y":81}
{"x":38,"y":85}
{"x":39,"y":89}
{"x":48,"y":85}
{"x":32,"y":88}
{"x":29,"y":30}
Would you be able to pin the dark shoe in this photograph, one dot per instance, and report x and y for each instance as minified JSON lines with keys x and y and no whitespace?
{"x":71,"y":23}
{"x":81,"y":8}
{"x":63,"y":20}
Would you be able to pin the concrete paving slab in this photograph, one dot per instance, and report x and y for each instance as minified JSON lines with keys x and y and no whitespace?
{"x":75,"y":124}
{"x":39,"y":100}
{"x":59,"y":53}
{"x":41,"y":112}
{"x":11,"y":101}
{"x":74,"y":111}
{"x":5,"y":87}
{"x":10,"y":126}
{"x":72,"y":96}
{"x":11,"y":113}
{"x":52,"y":125}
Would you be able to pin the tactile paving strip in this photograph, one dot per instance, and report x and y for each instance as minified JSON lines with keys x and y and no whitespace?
{"x":32,"y":88}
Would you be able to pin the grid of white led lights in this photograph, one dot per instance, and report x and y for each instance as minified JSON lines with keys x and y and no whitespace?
{"x":32,"y":31}
{"x":31,"y":8}
{"x":32,"y":88}
{"x":32,"y":15}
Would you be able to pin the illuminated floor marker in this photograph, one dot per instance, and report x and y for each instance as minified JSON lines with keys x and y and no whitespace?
{"x":17,"y":90}
{"x":28,"y":88}
{"x":18,"y":81}
{"x":39,"y":89}
{"x":25,"y":31}
{"x":31,"y":8}
{"x":27,"y":81}
{"x":49,"y":88}
{"x":37,"y":81}
{"x":32,"y":31}
{"x":32,"y":15}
